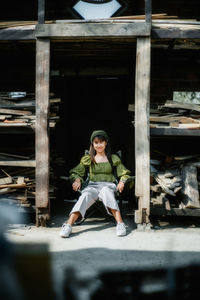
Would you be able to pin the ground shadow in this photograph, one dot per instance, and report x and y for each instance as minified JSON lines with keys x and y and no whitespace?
{"x":102,"y":273}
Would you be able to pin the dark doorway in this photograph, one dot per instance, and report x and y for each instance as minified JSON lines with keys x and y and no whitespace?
{"x":90,"y":103}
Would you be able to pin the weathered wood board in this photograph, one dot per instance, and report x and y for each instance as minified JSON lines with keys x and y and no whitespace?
{"x":41,"y":130}
{"x":142,"y":151}
{"x":190,"y":190}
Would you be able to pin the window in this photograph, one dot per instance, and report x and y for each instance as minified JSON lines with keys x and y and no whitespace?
{"x":187,"y":97}
{"x":97,"y":9}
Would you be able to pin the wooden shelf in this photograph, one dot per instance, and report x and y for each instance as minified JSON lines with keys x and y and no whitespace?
{"x":159,"y":211}
{"x":174,"y":132}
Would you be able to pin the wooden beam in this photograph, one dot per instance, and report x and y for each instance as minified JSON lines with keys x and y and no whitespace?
{"x":140,"y":30}
{"x":174,"y":33}
{"x":91,"y":30}
{"x":41,"y":11}
{"x":22,"y":33}
{"x":142,"y":155}
{"x":41,"y":130}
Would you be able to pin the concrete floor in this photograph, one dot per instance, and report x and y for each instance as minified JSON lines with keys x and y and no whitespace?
{"x":94,"y":247}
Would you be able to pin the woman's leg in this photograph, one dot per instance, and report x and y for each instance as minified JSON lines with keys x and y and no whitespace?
{"x":116,"y":215}
{"x":73,"y":217}
{"x":87,"y":198}
{"x":108,"y":197}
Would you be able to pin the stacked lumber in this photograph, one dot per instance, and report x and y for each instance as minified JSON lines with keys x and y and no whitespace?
{"x":17,"y":109}
{"x":173,"y":114}
{"x":176,"y":115}
{"x":17,"y":186}
{"x":176,"y":184}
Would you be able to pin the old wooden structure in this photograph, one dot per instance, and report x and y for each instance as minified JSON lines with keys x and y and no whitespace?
{"x":139,"y":37}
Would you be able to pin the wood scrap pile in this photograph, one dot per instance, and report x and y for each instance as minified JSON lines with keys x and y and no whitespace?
{"x":176,"y":183}
{"x":176,"y":115}
{"x":17,"y":180}
{"x":17,"y":109}
{"x":173,"y":114}
{"x":17,"y":186}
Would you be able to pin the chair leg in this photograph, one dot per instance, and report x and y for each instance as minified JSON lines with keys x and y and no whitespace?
{"x":120,"y":207}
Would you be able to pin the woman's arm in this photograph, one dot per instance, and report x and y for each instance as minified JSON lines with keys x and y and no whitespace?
{"x":120,"y":186}
{"x":77,"y":173}
{"x":123,"y":174}
{"x":76,"y":185}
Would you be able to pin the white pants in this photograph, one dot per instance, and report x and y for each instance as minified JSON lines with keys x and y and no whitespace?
{"x":94,"y":190}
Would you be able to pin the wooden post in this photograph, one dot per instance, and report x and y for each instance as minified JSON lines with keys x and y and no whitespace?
{"x":148,"y":11}
{"x":41,"y":11}
{"x":41,"y":130}
{"x":142,"y":149}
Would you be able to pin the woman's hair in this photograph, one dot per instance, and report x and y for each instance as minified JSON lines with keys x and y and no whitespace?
{"x":92,"y":151}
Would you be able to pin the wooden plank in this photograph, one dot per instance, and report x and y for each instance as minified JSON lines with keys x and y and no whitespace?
{"x":190,"y":190}
{"x":142,"y":103}
{"x":92,"y":30}
{"x":13,"y":124}
{"x":159,"y":211}
{"x":6,"y":191}
{"x":188,"y":106}
{"x":24,"y":24}
{"x":20,"y":180}
{"x":174,"y":132}
{"x":141,"y":17}
{"x":13,"y":185}
{"x":15,"y":111}
{"x":168,"y":119}
{"x":23,"y":103}
{"x":3,"y":117}
{"x":41,"y":129}
{"x":41,"y":11}
{"x":18,"y":163}
{"x":164,"y":187}
{"x":176,"y":125}
{"x":6,"y":180}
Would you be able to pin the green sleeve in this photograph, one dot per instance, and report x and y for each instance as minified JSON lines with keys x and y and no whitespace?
{"x":122,"y":172}
{"x":80,"y":170}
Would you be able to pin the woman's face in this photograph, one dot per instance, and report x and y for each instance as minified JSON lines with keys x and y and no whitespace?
{"x":99,"y":145}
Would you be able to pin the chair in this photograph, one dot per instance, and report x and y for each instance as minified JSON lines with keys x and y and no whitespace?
{"x":98,"y":205}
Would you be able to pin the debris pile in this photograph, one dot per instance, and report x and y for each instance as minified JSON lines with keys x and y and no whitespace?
{"x":176,"y":183}
{"x":17,"y":109}
{"x":173,"y":115}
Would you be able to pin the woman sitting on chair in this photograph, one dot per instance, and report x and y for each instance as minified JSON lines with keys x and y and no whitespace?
{"x":100,"y":163}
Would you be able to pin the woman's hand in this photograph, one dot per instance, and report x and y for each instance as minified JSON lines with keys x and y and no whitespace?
{"x":76,"y":185}
{"x":120,"y":186}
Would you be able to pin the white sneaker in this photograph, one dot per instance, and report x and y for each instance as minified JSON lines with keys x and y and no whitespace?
{"x":121,"y":229}
{"x":66,"y":230}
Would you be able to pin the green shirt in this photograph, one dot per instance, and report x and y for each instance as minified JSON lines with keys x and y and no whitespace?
{"x":99,"y":171}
